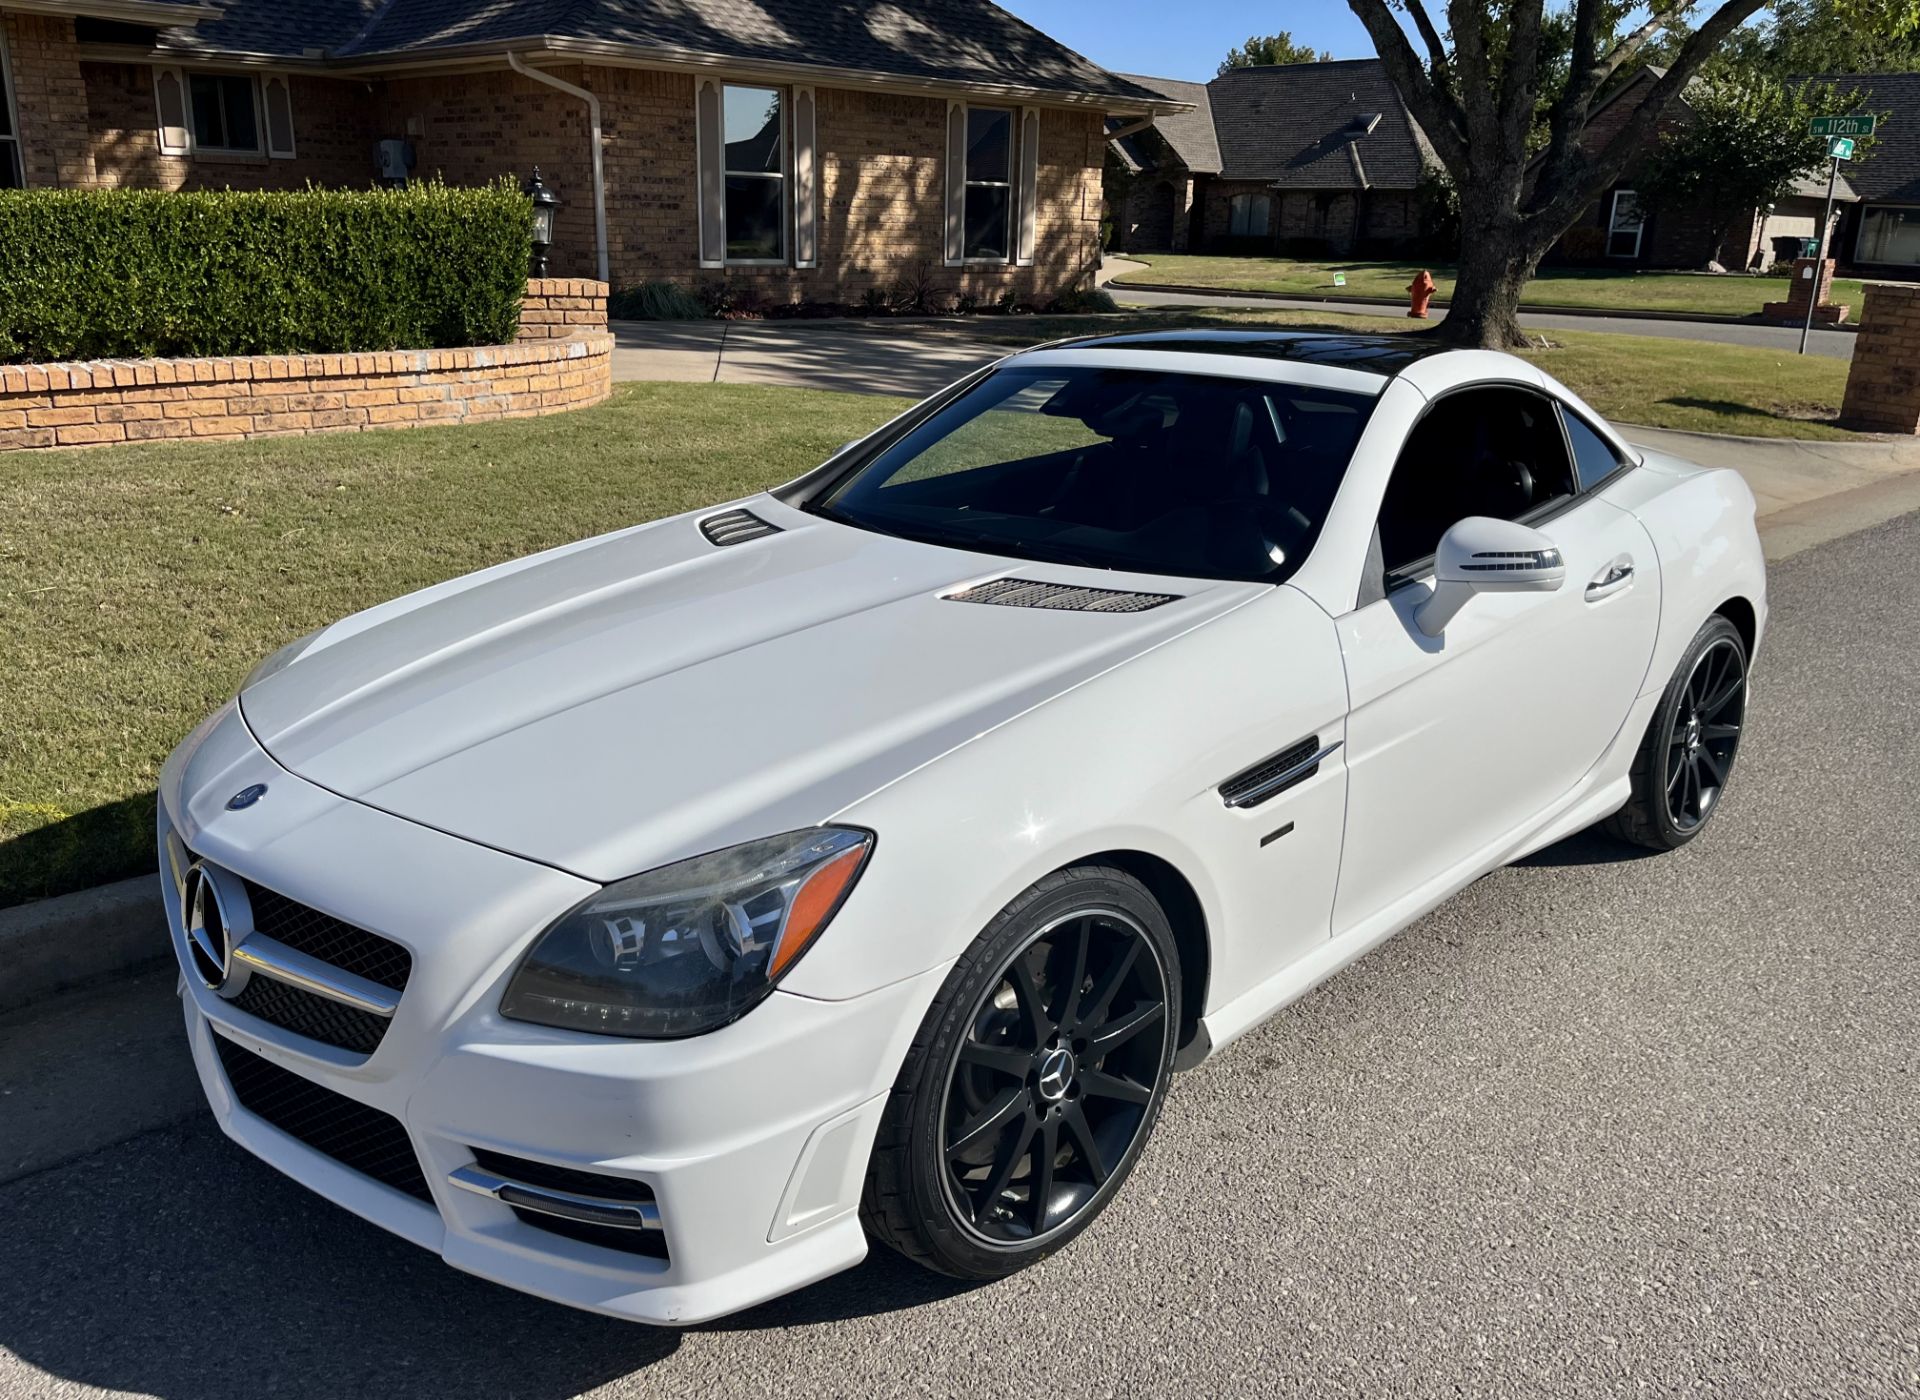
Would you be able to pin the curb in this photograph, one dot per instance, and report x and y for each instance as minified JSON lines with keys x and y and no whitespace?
{"x":54,"y":944}
{"x":1117,"y":286}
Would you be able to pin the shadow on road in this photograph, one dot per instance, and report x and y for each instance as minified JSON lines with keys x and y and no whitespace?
{"x":176,"y":1265}
{"x":1589,"y":847}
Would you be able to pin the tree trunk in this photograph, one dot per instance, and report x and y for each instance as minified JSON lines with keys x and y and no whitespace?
{"x":1495,"y":266}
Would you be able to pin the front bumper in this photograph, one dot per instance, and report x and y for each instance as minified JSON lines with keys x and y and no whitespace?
{"x":754,"y":1139}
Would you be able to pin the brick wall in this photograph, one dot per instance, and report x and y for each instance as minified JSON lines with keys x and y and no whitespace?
{"x":50,"y":96}
{"x":1883,"y":383}
{"x":881,"y":158}
{"x":103,"y":401}
{"x":1808,"y":285}
{"x":555,"y":307}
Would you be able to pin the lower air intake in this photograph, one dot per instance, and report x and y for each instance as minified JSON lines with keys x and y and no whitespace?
{"x":334,"y":1125}
{"x":1058,"y":597}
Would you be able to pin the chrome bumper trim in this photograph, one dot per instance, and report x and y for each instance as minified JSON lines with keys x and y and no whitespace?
{"x":589,"y":1210}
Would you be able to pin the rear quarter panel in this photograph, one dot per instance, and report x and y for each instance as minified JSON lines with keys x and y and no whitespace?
{"x":1702,"y":524}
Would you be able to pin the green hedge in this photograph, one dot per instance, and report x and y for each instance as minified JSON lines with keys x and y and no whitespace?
{"x":114,"y":274}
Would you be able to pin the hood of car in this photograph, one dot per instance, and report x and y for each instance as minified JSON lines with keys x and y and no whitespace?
{"x":649,"y":695}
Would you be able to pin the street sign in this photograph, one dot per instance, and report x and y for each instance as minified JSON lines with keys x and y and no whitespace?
{"x":1858,"y":125}
{"x":1840,"y":147}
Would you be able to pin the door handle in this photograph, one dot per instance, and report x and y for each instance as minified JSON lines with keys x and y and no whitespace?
{"x":1617,"y":577}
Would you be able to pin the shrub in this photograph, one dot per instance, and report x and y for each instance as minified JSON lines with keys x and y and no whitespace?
{"x":655,"y":301}
{"x":108,"y":274}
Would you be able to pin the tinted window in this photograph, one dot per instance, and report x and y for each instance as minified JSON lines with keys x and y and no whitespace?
{"x":1593,"y":457}
{"x":1125,"y":469}
{"x":1494,"y":452}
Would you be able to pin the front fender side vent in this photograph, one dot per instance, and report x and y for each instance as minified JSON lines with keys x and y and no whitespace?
{"x":1058,"y":597}
{"x":735,"y":527}
{"x":1272,"y":776}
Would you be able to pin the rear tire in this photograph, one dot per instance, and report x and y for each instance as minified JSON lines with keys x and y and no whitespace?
{"x":1034,"y":1081}
{"x":1685,"y":761}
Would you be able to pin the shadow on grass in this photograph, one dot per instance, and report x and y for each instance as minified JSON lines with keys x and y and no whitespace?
{"x":1728,"y":408}
{"x":44,"y":853}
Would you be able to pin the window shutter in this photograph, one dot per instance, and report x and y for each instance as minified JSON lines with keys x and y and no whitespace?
{"x":1026,"y":233}
{"x":956,"y":183}
{"x":711,"y":183}
{"x":276,"y":95}
{"x":806,"y":244}
{"x":170,"y":101}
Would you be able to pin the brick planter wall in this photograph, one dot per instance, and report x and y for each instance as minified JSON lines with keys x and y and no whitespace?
{"x":1883,"y":383}
{"x":562,"y":306}
{"x":570,"y":365}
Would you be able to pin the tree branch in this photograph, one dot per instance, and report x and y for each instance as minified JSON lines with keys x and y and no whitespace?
{"x":1467,"y":19}
{"x":1519,"y":78}
{"x":1438,"y":111}
{"x":1574,"y":177}
{"x":1436,"y":49}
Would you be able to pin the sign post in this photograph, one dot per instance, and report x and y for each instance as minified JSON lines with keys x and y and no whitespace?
{"x":1839,"y":132}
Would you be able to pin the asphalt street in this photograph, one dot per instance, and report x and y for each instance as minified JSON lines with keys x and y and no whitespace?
{"x":1605,"y":1124}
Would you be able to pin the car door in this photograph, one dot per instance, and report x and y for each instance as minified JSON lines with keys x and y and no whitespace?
{"x":1457,"y":744}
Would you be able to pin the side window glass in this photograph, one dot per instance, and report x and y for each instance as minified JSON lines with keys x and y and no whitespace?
{"x":1593,"y":457}
{"x":1496,"y":452}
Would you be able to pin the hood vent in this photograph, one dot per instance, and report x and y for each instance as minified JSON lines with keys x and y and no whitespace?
{"x":1058,"y":597}
{"x":736,"y":527}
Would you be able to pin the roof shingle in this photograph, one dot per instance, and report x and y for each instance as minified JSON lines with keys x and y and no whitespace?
{"x":1315,"y":126}
{"x":966,"y":41}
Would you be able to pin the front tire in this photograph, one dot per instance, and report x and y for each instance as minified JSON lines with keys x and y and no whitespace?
{"x":1686,"y":759}
{"x":1034,"y":1081}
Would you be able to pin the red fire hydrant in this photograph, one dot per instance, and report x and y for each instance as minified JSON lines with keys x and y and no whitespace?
{"x":1421,"y":290}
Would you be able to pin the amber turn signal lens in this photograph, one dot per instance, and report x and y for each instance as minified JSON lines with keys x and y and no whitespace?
{"x":814,"y":904}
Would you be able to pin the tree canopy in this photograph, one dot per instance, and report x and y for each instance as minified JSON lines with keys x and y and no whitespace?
{"x":1263,"y":49}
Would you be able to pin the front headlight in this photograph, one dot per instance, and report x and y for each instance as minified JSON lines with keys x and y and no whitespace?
{"x":691,"y":946}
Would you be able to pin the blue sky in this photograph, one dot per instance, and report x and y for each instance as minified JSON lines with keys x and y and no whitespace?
{"x":1186,"y":38}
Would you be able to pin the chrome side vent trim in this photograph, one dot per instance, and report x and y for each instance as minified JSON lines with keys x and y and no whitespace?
{"x":1272,"y":776}
{"x":735,"y":527}
{"x":1058,"y":597}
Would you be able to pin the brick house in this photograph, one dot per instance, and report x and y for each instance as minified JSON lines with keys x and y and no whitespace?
{"x":1878,"y":233}
{"x":1299,"y":157}
{"x":811,"y":149}
{"x":1623,"y":229}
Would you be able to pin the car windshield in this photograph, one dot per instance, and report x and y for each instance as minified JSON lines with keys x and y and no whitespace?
{"x":1150,"y":471}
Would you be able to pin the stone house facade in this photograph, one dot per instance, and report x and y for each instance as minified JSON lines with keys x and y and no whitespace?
{"x":1302,"y":158}
{"x":789,"y":148}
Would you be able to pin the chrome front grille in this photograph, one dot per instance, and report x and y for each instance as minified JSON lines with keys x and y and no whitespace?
{"x":288,"y":964}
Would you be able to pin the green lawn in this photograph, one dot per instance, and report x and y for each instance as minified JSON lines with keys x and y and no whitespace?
{"x":1693,"y":385}
{"x":1732,"y":294}
{"x":139,"y":584}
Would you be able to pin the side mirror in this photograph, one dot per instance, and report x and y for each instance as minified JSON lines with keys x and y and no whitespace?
{"x":1484,"y":555}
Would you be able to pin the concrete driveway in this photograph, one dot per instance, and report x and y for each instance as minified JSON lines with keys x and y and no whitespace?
{"x":1605,"y":1124}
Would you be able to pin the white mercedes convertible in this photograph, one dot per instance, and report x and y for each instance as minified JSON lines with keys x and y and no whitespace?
{"x":649,"y":923}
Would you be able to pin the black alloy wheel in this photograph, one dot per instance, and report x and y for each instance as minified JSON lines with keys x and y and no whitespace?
{"x":1051,"y":1085}
{"x":1705,"y":733}
{"x":1035,"y":1079}
{"x":1685,"y":761}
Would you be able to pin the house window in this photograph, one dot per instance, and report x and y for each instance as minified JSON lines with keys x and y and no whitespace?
{"x":1248,"y":215}
{"x":225,"y":117}
{"x":988,"y":216}
{"x":13,"y":174}
{"x":1625,"y":225}
{"x":1889,"y":236}
{"x":754,"y":162}
{"x":224,"y":113}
